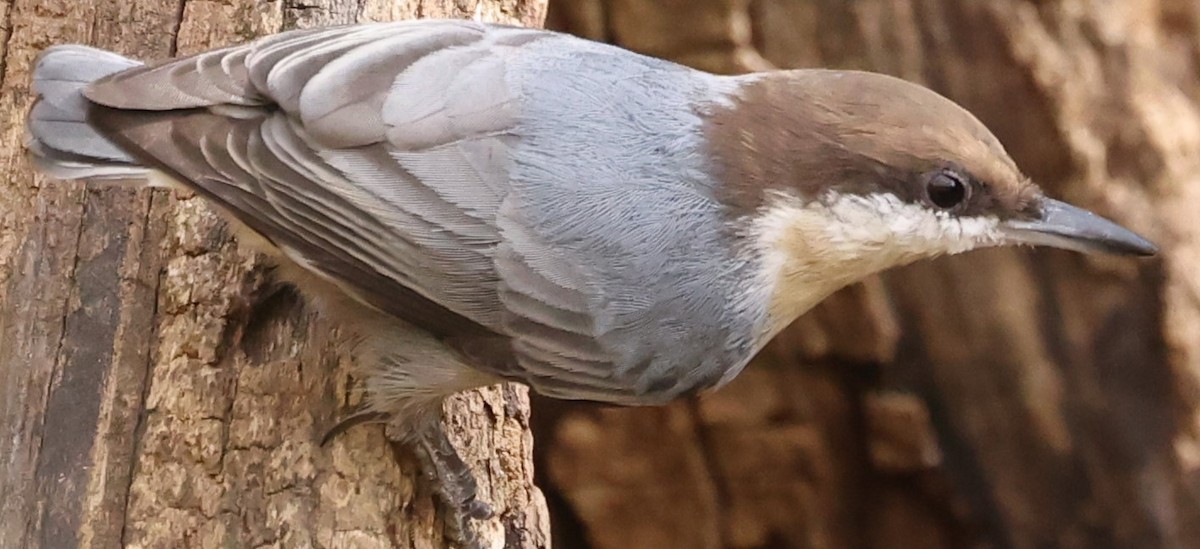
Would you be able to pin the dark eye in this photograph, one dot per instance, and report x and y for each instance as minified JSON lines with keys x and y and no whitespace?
{"x":947,"y":190}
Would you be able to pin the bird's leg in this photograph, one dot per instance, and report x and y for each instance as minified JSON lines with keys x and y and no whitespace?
{"x":407,"y":392}
{"x":452,"y":480}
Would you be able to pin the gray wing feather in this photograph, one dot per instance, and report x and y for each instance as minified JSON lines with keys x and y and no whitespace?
{"x":384,"y":161}
{"x":320,"y":171}
{"x":217,"y":77}
{"x":341,"y":116}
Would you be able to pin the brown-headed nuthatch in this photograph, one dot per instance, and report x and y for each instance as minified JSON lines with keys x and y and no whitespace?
{"x":489,"y":203}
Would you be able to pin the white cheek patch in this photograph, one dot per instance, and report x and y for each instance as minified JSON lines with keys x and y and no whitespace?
{"x":877,"y":229}
{"x":883,"y":224}
{"x":809,"y":250}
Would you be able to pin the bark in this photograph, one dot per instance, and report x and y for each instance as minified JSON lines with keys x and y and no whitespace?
{"x":157,"y":389}
{"x":1007,"y":398}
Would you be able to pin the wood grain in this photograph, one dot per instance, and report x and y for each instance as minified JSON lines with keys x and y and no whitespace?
{"x":157,"y":388}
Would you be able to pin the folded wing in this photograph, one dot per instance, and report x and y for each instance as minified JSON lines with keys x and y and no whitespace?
{"x":374,"y":155}
{"x":381,"y":157}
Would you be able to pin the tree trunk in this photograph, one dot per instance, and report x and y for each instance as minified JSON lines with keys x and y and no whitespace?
{"x":1007,"y":398}
{"x":157,"y":389}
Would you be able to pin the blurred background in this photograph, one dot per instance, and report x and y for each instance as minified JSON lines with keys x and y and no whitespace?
{"x":1007,"y":398}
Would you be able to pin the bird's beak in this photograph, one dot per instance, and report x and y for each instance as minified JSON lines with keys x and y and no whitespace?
{"x":1062,"y":225}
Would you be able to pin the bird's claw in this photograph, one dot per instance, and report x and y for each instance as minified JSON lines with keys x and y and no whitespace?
{"x":479,"y":510}
{"x":353,"y":420}
{"x":452,"y":481}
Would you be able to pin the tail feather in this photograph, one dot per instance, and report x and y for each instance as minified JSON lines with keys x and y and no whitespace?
{"x":58,"y":137}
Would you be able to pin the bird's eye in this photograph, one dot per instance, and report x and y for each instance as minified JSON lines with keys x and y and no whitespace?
{"x":947,"y":190}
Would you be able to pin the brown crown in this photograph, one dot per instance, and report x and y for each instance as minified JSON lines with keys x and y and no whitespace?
{"x":810,"y":131}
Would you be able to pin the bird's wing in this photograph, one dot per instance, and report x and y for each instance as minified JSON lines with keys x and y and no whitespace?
{"x":383,"y":158}
{"x":375,"y":155}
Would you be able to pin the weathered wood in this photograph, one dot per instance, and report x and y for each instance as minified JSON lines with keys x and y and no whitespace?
{"x":157,"y":388}
{"x":1001,"y":399}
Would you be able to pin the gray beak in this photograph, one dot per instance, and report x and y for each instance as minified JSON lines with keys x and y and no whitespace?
{"x":1062,"y":225}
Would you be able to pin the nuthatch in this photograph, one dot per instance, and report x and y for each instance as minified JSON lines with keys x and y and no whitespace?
{"x":487,"y":203}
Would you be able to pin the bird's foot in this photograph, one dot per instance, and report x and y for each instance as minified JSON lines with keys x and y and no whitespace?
{"x":454,"y":484}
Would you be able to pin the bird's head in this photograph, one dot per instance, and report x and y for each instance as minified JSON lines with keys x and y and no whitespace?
{"x":832,"y":176}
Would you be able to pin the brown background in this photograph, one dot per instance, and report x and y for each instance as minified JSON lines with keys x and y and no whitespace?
{"x":1007,"y":398}
{"x":157,"y":388}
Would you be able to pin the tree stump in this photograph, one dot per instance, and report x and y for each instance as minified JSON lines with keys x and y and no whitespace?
{"x":157,"y":388}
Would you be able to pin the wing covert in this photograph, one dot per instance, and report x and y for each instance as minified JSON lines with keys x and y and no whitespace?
{"x":386,"y":158}
{"x":376,"y":155}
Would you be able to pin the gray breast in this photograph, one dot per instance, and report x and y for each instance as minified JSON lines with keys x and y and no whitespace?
{"x":619,"y":278}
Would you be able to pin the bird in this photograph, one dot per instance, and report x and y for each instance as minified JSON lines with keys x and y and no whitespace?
{"x":486,"y":203}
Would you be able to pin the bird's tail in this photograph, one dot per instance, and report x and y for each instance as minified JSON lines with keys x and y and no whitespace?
{"x":60,"y":141}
